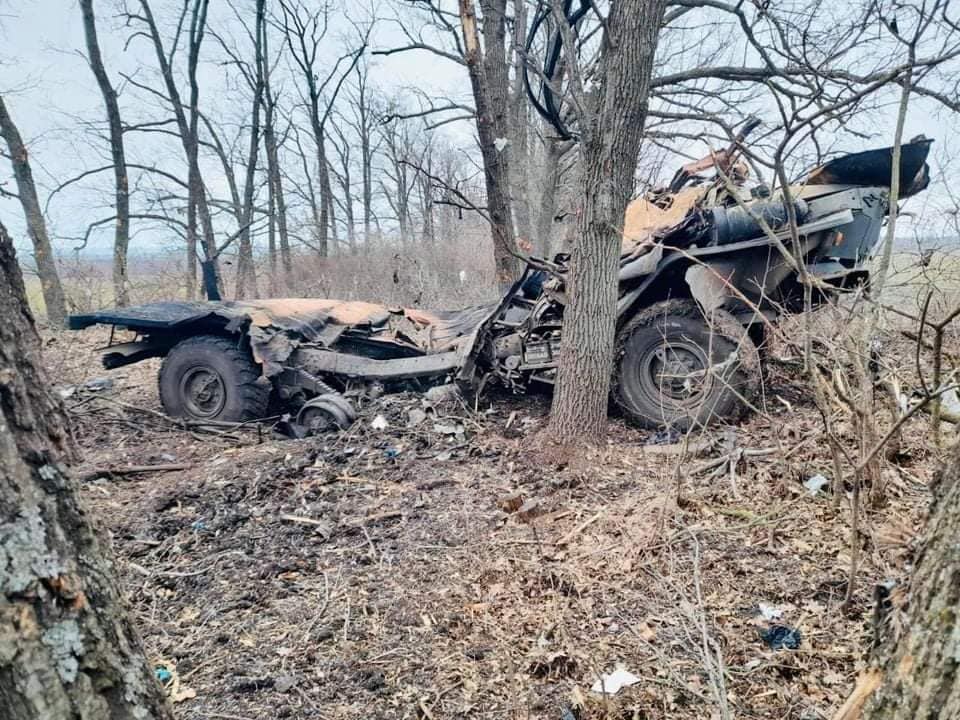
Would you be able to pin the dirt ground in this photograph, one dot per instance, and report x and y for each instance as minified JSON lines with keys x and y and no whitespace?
{"x":455,"y":568}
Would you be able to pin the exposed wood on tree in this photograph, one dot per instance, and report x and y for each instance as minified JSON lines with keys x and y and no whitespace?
{"x":53,"y":297}
{"x":67,"y":646}
{"x":488,"y":71}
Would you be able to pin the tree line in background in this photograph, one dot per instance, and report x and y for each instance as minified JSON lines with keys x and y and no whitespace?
{"x":304,"y":153}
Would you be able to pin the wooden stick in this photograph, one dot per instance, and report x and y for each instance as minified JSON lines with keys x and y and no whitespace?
{"x":304,"y":520}
{"x":579,"y":528}
{"x":135,"y":470}
{"x":867,"y":683}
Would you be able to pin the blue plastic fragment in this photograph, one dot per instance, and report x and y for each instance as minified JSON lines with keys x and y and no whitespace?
{"x":781,"y":637}
{"x":163,"y":675}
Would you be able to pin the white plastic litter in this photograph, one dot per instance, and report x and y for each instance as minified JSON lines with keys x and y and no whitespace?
{"x":379,"y":423}
{"x":612,"y":683}
{"x":815,"y":484}
{"x":770,"y":612}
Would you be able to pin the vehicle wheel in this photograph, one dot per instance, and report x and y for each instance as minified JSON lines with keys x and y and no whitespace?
{"x":209,"y":378}
{"x":675,"y":369}
{"x":326,"y":412}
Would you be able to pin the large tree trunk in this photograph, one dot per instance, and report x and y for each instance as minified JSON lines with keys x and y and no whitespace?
{"x":488,"y":79}
{"x":36,"y":225}
{"x":610,"y":144}
{"x":323,"y":179}
{"x":921,"y":677}
{"x":67,"y":647}
{"x":121,"y":240}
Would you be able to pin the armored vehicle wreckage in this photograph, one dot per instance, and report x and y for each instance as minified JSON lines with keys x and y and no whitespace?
{"x":706,"y":263}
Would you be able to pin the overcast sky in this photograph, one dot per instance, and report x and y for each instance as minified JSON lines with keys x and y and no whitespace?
{"x":50,"y":92}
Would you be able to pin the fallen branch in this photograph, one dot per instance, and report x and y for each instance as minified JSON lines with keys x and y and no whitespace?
{"x":134,"y":470}
{"x":579,"y":528}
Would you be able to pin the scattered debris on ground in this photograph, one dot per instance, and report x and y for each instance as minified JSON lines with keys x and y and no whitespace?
{"x":434,"y":561}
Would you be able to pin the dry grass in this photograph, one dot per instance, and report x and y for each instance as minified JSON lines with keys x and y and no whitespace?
{"x":415,"y":594}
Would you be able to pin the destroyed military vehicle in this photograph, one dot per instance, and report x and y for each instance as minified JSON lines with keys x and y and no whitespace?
{"x":703,"y":269}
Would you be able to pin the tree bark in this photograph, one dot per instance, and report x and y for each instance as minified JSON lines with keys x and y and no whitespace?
{"x":246,"y":270}
{"x":121,"y":239}
{"x":549,"y":189}
{"x":488,"y":72}
{"x":67,"y":647}
{"x":188,"y":128}
{"x":519,"y":127}
{"x":274,"y":176}
{"x":53,"y":296}
{"x":275,"y":185}
{"x":364,"y":122}
{"x":611,"y":131}
{"x":921,"y":676}
{"x":323,"y":172}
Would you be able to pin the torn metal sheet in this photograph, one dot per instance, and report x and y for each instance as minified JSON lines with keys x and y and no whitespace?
{"x":277,"y":327}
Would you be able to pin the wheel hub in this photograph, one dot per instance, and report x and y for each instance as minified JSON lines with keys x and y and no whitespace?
{"x":677,"y":370}
{"x":203,"y":391}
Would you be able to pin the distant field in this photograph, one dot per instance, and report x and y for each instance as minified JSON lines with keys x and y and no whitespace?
{"x":81,"y":295}
{"x":910,"y":282}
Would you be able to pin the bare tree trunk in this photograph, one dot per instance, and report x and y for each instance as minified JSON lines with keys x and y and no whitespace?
{"x":271,"y":239}
{"x":246,"y":271}
{"x":275,"y":182}
{"x":67,"y":646}
{"x":366,"y":155}
{"x":519,"y":127}
{"x":326,"y":188}
{"x":920,"y":679}
{"x":488,"y":79}
{"x":309,"y":193}
{"x":189,"y":135}
{"x":278,"y":205}
{"x":36,"y":226}
{"x":547,"y":208}
{"x":323,"y":177}
{"x":426,"y":199}
{"x":121,"y":240}
{"x":611,"y":131}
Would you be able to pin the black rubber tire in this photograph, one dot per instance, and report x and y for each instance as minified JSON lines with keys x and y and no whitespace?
{"x":243,"y":394}
{"x":680,"y":324}
{"x":329,"y":409}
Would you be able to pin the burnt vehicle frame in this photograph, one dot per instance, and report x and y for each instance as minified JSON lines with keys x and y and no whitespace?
{"x":701,"y":272}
